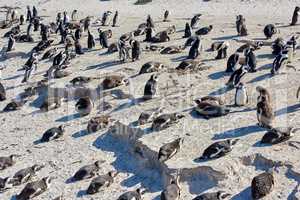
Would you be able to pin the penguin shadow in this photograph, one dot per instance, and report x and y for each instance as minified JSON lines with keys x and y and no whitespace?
{"x":238,"y":132}
{"x":130,"y":103}
{"x":81,"y":194}
{"x":13,"y":77}
{"x":260,"y":78}
{"x":104,"y":65}
{"x":265,"y":67}
{"x":244,"y":194}
{"x":228,"y":37}
{"x":179,"y":59}
{"x":287,"y":110}
{"x":265,"y":56}
{"x":81,"y":133}
{"x":13,"y":55}
{"x":259,"y":144}
{"x":218,"y":75}
{"x":69,"y":118}
{"x":221,"y":91}
{"x":70,"y":180}
{"x":14,"y":197}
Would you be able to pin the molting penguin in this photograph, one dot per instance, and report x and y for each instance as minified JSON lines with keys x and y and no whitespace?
{"x":241,"y":26}
{"x":204,"y":30}
{"x":84,"y":106}
{"x":241,"y":95}
{"x":97,"y":123}
{"x":11,"y":43}
{"x":91,"y":40}
{"x":53,"y":133}
{"x":218,"y":149}
{"x":114,"y":81}
{"x":219,"y":195}
{"x":100,"y":182}
{"x":278,"y":135}
{"x":187,"y":31}
{"x":270,"y":30}
{"x":262,"y":185}
{"x":295,"y":16}
{"x":236,"y":76}
{"x":169,"y":150}
{"x":87,"y":171}
{"x":2,"y":93}
{"x":165,"y":120}
{"x":151,"y":87}
{"x":172,"y":190}
{"x":34,"y":189}
{"x":265,"y":113}
{"x":132,"y":195}
{"x":152,"y":66}
{"x":25,"y":175}
{"x":232,"y":62}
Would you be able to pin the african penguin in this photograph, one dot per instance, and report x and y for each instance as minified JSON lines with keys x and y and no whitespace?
{"x":151,"y":86}
{"x":165,"y":120}
{"x":278,"y":135}
{"x":265,"y":113}
{"x":195,"y":49}
{"x":295,"y":16}
{"x":53,"y":134}
{"x":270,"y":30}
{"x":204,"y":30}
{"x":187,"y":31}
{"x":168,"y":150}
{"x":251,"y":59}
{"x":172,"y":190}
{"x":2,"y":92}
{"x":91,"y":40}
{"x":236,"y":76}
{"x":11,"y":43}
{"x":195,"y":20}
{"x":262,"y":185}
{"x":166,"y":15}
{"x":219,"y":195}
{"x":87,"y":171}
{"x":25,"y":175}
{"x":232,"y":62}
{"x":97,"y":123}
{"x":241,"y":26}
{"x":279,"y":62}
{"x":131,"y":195}
{"x":84,"y":106}
{"x":100,"y":182}
{"x":241,"y":95}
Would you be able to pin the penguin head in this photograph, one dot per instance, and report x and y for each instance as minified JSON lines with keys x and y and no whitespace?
{"x":222,"y":195}
{"x":233,"y":142}
{"x":154,"y":77}
{"x":179,"y":116}
{"x":62,"y":128}
{"x":113,"y":173}
{"x":13,"y":157}
{"x":180,"y":141}
{"x":297,"y":8}
{"x":210,"y":27}
{"x":125,"y":81}
{"x":241,"y":86}
{"x":37,"y":167}
{"x":245,"y":68}
{"x":98,"y":163}
{"x":48,"y":180}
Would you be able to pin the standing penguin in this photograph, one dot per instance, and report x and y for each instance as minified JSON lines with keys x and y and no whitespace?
{"x":84,"y":106}
{"x":136,"y":50}
{"x":265,"y":113}
{"x":150,"y":87}
{"x":236,"y":76}
{"x":241,"y":26}
{"x":11,"y":43}
{"x":100,"y":182}
{"x":187,"y":31}
{"x":91,"y":40}
{"x":232,"y":62}
{"x":295,"y":16}
{"x":22,"y":19}
{"x":115,"y":19}
{"x":251,"y":59}
{"x":270,"y":30}
{"x":195,"y":20}
{"x":150,"y":22}
{"x":262,"y":185}
{"x":166,"y":15}
{"x":168,"y":150}
{"x":34,"y":189}
{"x":58,"y":59}
{"x":172,"y":191}
{"x":279,"y":62}
{"x":222,"y":50}
{"x":241,"y":95}
{"x":2,"y":93}
{"x":195,"y":49}
{"x":87,"y":171}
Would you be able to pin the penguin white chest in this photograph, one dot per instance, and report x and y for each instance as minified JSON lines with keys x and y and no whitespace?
{"x":241,"y":97}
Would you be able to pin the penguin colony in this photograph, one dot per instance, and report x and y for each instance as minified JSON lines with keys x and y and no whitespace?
{"x":70,"y":33}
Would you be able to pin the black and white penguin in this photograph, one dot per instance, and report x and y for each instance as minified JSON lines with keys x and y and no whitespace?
{"x":4,"y":184}
{"x":166,"y":16}
{"x":6,"y":162}
{"x":190,"y":41}
{"x":204,"y":30}
{"x":98,"y":123}
{"x":172,"y":190}
{"x":148,"y":116}
{"x":169,"y":150}
{"x":114,"y":81}
{"x":241,"y":26}
{"x":87,"y":171}
{"x":232,"y":62}
{"x":91,"y":40}
{"x":100,"y":182}
{"x":250,"y":59}
{"x":262,"y":185}
{"x":270,"y":30}
{"x":222,"y":50}
{"x":58,"y":58}
{"x":295,"y":16}
{"x":25,"y":175}
{"x":218,"y":149}
{"x":278,"y":46}
{"x":187,"y":31}
{"x":135,"y":50}
{"x":22,"y":19}
{"x":84,"y":106}
{"x":195,"y":20}
{"x":35,"y":188}
{"x":279,"y":62}
{"x":115,"y":19}
{"x":77,"y":34}
{"x":50,"y":103}
{"x":103,"y":38}
{"x":78,"y":48}
{"x":278,"y":135}
{"x":152,"y":66}
{"x":132,"y":195}
{"x":209,"y":109}
{"x":241,"y":95}
{"x":106,"y":18}
{"x":188,"y":65}
{"x":11,"y":43}
{"x":149,"y":32}
{"x":50,"y":53}
{"x":79,"y":80}
{"x":53,"y":133}
{"x":219,"y":195}
{"x":165,"y":120}
{"x":150,"y":22}
{"x":151,"y":86}
{"x":195,"y":49}
{"x":2,"y":92}
{"x":237,"y":76}
{"x":14,"y":105}
{"x":171,"y":50}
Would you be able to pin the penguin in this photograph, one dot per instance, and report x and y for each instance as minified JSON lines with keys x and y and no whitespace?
{"x":262,"y":185}
{"x":53,"y":133}
{"x":279,"y":62}
{"x":115,"y":19}
{"x":106,"y":18}
{"x":171,"y":30}
{"x":147,"y":117}
{"x":204,"y":30}
{"x":232,"y":62}
{"x":149,"y":34}
{"x":42,"y":45}
{"x":25,"y":175}
{"x":79,"y":80}
{"x":188,"y":65}
{"x":169,"y":150}
{"x":14,"y":105}
{"x":150,"y":22}
{"x":87,"y":171}
{"x":74,"y":15}
{"x":278,"y":46}
{"x":190,"y":41}
{"x":151,"y":86}
{"x":58,"y":59}
{"x":152,"y":66}
{"x":241,"y":26}
{"x":164,"y":121}
{"x":78,"y":48}
{"x":4,"y":184}
{"x":219,"y":195}
{"x":2,"y":92}
{"x":98,"y":123}
{"x":166,"y":15}
{"x":34,"y":12}
{"x":91,"y":40}
{"x":50,"y":53}
{"x":11,"y":43}
{"x":187,"y":31}
{"x":50,"y":103}
{"x":22,"y":19}
{"x":161,"y":37}
{"x":114,"y":81}
{"x":113,"y":47}
{"x":6,"y":162}
{"x":218,"y":149}
{"x":209,"y":109}
{"x":77,"y":34}
{"x":222,"y":50}
{"x":236,"y":76}
{"x":135,"y":50}
{"x":278,"y":135}
{"x":171,"y":50}
{"x":265,"y":113}
{"x":84,"y":106}
{"x":251,"y":60}
{"x":103,"y":38}
{"x":195,"y":49}
{"x":195,"y":20}
{"x":241,"y":95}
{"x":270,"y":30}
{"x":100,"y":182}
{"x":295,"y":16}
{"x":131,"y":195}
{"x":263,"y":92}
{"x":172,"y":190}
{"x":35,"y":188}
{"x":211,"y":100}
{"x":59,"y":198}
